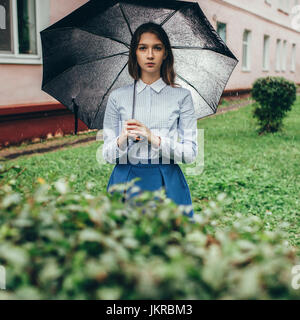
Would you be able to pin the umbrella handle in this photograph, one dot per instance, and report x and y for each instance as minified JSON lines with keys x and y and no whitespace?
{"x":75,"y":108}
{"x":138,"y":138}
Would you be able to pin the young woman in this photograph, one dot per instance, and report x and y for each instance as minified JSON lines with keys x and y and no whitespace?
{"x":147,"y":146}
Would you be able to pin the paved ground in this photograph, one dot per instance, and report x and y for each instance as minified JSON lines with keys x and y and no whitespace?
{"x":14,"y":152}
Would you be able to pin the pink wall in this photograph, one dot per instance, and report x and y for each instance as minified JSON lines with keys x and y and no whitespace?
{"x":59,"y":9}
{"x":21,"y":84}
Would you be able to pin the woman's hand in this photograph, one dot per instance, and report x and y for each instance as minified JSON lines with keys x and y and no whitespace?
{"x":136,"y":128}
{"x":126,"y":134}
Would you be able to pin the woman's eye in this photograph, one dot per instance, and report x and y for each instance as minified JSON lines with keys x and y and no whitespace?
{"x":157,"y":48}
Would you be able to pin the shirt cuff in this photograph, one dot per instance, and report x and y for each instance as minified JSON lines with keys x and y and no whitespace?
{"x":120,"y":151}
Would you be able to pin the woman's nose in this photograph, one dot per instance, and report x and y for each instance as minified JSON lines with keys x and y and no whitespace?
{"x":150,"y":53}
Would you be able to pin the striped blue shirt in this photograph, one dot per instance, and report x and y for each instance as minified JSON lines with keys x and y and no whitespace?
{"x":167,"y":111}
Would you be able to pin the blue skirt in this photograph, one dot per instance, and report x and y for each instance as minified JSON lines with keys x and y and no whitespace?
{"x":153,"y":177}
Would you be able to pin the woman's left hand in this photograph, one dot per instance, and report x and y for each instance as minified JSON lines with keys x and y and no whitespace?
{"x":137,"y":127}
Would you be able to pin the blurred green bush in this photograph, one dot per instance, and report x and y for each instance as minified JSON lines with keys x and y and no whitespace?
{"x":58,"y":244}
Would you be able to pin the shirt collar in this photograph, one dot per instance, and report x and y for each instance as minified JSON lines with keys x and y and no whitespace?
{"x":157,"y":85}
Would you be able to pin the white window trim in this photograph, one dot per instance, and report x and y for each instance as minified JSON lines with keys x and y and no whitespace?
{"x":17,"y":58}
{"x":248,"y":62}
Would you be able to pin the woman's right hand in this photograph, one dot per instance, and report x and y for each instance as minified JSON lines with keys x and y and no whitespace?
{"x":125,"y":134}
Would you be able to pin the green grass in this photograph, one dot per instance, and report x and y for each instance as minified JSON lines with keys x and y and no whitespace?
{"x":261,"y":174}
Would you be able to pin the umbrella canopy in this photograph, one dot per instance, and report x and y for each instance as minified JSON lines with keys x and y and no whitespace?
{"x":85,"y":54}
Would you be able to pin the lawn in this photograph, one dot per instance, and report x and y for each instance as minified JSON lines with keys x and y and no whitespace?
{"x":260,"y":174}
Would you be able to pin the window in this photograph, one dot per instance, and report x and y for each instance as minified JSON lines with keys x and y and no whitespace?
{"x":27,"y":35}
{"x":221,"y":29}
{"x":278,"y":55}
{"x":293,"y":58}
{"x":19,"y":38}
{"x":266,"y":52}
{"x":246,"y":50}
{"x":283,"y":62}
{"x":5,"y":26}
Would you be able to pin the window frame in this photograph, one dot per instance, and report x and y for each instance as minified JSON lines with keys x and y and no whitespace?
{"x":266,"y":52}
{"x":224,"y":24}
{"x":293,"y":58}
{"x":246,"y":68}
{"x":278,"y":55}
{"x":22,"y":58}
{"x":283,"y":55}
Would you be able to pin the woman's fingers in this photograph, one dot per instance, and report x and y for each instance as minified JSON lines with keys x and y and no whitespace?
{"x":132,"y":135}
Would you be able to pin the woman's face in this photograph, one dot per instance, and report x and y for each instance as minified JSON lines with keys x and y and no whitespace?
{"x":150,"y":50}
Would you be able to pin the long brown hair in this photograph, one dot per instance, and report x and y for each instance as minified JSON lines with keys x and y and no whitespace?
{"x":167,"y":68}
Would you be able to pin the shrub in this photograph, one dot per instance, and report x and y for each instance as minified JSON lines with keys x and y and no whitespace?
{"x":274,"y":98}
{"x":56,"y":244}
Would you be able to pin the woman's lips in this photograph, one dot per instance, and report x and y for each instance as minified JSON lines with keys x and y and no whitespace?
{"x":150,"y":64}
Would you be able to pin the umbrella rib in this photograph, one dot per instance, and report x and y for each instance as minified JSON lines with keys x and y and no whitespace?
{"x":196,"y":91}
{"x":107,"y":37}
{"x":102,"y":58}
{"x":86,"y":62}
{"x":168,"y":17}
{"x":126,"y":20}
{"x":98,"y":107}
{"x":172,"y":14}
{"x":88,"y":31}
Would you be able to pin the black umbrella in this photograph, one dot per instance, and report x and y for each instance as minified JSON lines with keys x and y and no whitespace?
{"x":85,"y":54}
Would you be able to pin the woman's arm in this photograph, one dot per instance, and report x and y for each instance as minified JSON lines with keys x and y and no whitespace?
{"x":111,"y":151}
{"x":186,"y":149}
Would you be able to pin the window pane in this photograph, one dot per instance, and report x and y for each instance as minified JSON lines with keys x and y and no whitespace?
{"x":266,"y":52}
{"x":293,"y":58}
{"x":283,"y":63}
{"x":244,"y":55}
{"x":246,"y":50}
{"x":5,"y":26}
{"x":27,"y":26}
{"x":221,"y":29}
{"x":278,"y":54}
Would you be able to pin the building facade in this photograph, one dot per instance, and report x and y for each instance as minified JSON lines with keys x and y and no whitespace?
{"x":263,"y":34}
